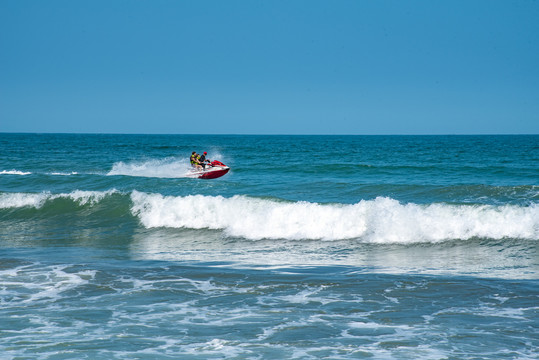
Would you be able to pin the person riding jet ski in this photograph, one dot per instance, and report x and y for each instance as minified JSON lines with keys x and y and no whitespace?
{"x":195,"y":161}
{"x":202,"y":159}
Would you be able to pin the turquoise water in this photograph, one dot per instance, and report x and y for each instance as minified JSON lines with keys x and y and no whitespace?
{"x":311,"y":247}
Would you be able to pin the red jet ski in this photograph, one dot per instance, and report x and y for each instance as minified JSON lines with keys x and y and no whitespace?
{"x":212,"y":170}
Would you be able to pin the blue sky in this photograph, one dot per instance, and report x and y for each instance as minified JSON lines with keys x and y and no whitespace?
{"x":270,"y":67}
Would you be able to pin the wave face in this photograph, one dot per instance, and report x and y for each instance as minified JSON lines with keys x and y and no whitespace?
{"x":383,"y":220}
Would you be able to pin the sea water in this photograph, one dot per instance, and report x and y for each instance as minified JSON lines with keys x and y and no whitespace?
{"x":311,"y":247}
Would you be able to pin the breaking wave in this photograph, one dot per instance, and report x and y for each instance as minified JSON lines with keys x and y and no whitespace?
{"x":20,"y":200}
{"x":14,"y":172}
{"x":382,"y":220}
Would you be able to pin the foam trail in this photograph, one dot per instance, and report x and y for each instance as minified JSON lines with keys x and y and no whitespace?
{"x":164,"y":168}
{"x":382,"y":220}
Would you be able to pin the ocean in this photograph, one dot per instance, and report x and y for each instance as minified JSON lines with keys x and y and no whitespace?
{"x":311,"y":247}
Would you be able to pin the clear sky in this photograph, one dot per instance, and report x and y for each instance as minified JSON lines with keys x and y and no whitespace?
{"x":270,"y":67}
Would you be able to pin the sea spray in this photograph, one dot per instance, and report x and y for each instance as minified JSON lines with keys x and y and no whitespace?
{"x":159,"y":168}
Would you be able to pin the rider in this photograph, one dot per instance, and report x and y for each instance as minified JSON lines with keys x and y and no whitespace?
{"x":195,"y":160}
{"x":203,"y":159}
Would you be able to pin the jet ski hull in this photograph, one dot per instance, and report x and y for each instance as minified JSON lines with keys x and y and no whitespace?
{"x":212,"y":172}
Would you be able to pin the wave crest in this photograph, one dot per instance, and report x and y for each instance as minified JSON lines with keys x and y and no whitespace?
{"x":14,"y":172}
{"x":383,"y":220}
{"x":19,"y":200}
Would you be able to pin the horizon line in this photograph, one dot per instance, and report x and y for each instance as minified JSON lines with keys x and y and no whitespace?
{"x":261,"y":134}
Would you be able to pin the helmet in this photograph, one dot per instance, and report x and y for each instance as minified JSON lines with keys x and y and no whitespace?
{"x":205,"y":153}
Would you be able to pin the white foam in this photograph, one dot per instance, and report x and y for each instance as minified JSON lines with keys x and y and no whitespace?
{"x":382,"y":220}
{"x":18,"y":172}
{"x":18,"y":200}
{"x":373,"y":325}
{"x":29,"y":284}
{"x":85,"y":197}
{"x":14,"y":172}
{"x":64,"y":173}
{"x":163,"y":168}
{"x":223,"y":348}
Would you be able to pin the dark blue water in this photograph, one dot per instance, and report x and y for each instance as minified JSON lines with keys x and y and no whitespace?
{"x":384,"y":247}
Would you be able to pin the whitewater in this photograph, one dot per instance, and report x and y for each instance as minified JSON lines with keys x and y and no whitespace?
{"x":382,"y":220}
{"x":310,"y":247}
